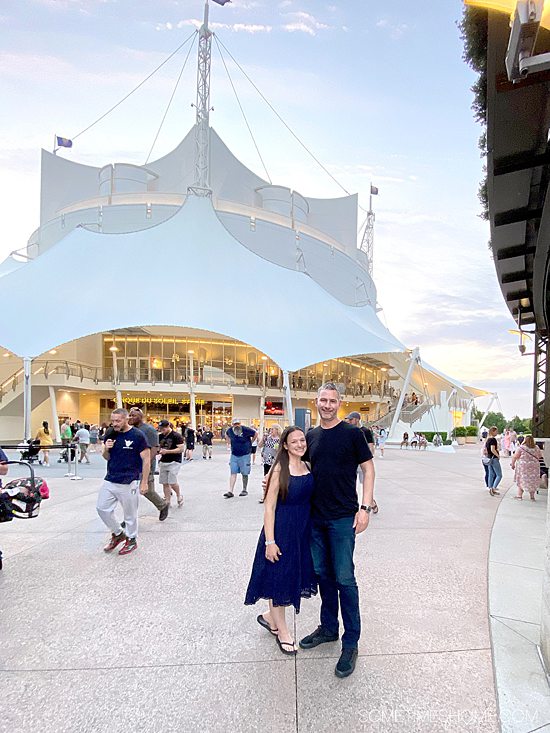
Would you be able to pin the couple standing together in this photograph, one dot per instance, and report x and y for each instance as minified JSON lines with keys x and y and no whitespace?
{"x":311,"y":520}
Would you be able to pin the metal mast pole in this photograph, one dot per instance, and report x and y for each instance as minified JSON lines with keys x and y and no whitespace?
{"x":202,"y":126}
{"x":367,"y":243}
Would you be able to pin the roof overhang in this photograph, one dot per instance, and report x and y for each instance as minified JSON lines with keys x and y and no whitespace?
{"x":518,"y":169}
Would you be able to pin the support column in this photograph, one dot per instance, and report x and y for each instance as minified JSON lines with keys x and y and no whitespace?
{"x":262,"y":399}
{"x":118,"y":393}
{"x":415,"y":355}
{"x":192,"y":407}
{"x":288,"y":399}
{"x":55,"y":416}
{"x":27,"y":397}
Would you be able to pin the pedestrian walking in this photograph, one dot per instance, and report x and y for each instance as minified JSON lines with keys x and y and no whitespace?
{"x":382,"y":437}
{"x":239,"y":439}
{"x":94,"y":437}
{"x":526,"y":462}
{"x":335,"y":450}
{"x":354,"y":418}
{"x":495,"y":469}
{"x":254,"y":448}
{"x":189,"y":442}
{"x":282,"y":571}
{"x":46,"y":441}
{"x":171,"y":447}
{"x":82,"y":437}
{"x":135,"y":419}
{"x":207,"y":438}
{"x":128,"y":460}
{"x":66,"y":432}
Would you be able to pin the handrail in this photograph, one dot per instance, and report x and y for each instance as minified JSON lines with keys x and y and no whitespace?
{"x":176,"y":375}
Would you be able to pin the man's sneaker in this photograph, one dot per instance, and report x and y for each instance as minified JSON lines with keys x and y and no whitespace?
{"x":229,"y":495}
{"x":164,"y":512}
{"x":244,"y":492}
{"x":346,"y":663}
{"x":115,"y":540}
{"x":319,"y":636}
{"x":129,"y":546}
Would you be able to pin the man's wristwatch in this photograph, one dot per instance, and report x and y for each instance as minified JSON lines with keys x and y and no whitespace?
{"x":366,"y":507}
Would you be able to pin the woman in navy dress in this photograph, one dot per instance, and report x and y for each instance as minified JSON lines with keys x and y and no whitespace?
{"x":283,"y":568}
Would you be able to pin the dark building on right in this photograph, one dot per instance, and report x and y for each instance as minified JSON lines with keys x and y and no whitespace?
{"x":512,"y":99}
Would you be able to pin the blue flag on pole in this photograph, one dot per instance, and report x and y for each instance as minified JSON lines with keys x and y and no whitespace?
{"x":222,"y":2}
{"x":64,"y":142}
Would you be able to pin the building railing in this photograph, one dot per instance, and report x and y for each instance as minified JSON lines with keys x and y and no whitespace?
{"x":206,"y":376}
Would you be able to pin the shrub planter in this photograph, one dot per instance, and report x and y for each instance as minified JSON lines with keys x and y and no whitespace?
{"x":470,"y":439}
{"x":460,"y":440}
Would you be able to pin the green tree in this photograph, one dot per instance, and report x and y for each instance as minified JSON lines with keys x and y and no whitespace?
{"x":497,"y":419}
{"x":476,"y":414}
{"x":520,"y":425}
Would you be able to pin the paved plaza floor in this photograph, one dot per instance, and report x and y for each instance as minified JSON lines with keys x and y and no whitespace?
{"x":161,"y":641}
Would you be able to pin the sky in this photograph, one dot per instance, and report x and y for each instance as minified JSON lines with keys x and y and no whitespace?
{"x":377,"y":91}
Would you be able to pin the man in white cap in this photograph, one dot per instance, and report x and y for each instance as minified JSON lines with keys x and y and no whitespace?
{"x":240,"y":438}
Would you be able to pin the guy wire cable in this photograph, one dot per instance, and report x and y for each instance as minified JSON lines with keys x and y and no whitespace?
{"x":135,"y":88}
{"x":170,"y":101}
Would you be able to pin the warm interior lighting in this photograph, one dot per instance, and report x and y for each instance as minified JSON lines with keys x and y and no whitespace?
{"x":52,"y":351}
{"x":113,"y":348}
{"x":6,"y":353}
{"x":190,"y":351}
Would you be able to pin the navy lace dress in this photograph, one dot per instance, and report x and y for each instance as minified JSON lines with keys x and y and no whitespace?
{"x":292,"y":578}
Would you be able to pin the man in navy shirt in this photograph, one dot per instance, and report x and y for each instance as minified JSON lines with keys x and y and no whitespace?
{"x":128,"y":462}
{"x":240,"y":438}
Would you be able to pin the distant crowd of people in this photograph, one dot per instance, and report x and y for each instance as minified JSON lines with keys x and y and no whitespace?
{"x":530,"y":470}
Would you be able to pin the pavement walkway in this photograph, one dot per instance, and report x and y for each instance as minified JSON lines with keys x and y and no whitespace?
{"x":161,"y":641}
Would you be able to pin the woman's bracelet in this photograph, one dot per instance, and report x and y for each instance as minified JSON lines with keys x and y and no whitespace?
{"x":269,"y":542}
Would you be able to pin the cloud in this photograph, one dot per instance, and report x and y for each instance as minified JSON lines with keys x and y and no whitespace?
{"x":81,"y":5}
{"x":233,"y":27}
{"x":304,"y":23}
{"x":395,"y":30}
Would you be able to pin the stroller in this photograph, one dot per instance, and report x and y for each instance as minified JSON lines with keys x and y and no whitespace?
{"x":64,"y":455}
{"x":20,"y":498}
{"x":30,"y":450}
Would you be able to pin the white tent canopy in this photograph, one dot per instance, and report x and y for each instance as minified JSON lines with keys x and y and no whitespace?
{"x":192,"y":259}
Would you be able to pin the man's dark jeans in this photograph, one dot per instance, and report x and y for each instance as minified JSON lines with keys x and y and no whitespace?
{"x":332,"y":545}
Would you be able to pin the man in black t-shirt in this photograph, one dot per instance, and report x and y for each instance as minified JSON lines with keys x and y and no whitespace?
{"x":354,"y":418}
{"x":335,"y":450}
{"x":207,"y":437}
{"x":171,"y":448}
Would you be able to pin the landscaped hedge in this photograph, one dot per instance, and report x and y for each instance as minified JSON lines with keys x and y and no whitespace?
{"x":430,"y":436}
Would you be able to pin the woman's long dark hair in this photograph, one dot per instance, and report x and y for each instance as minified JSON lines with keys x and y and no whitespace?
{"x":281,"y":459}
{"x":46,"y":428}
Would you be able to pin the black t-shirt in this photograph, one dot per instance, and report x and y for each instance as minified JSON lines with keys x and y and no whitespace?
{"x":335,"y":454}
{"x":190,"y":436}
{"x":488,"y":444}
{"x":207,"y":437}
{"x":170,"y":441}
{"x":369,"y":437}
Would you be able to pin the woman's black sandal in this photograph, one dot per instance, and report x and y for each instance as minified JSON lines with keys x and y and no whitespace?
{"x":261,"y":620}
{"x":286,"y":643}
